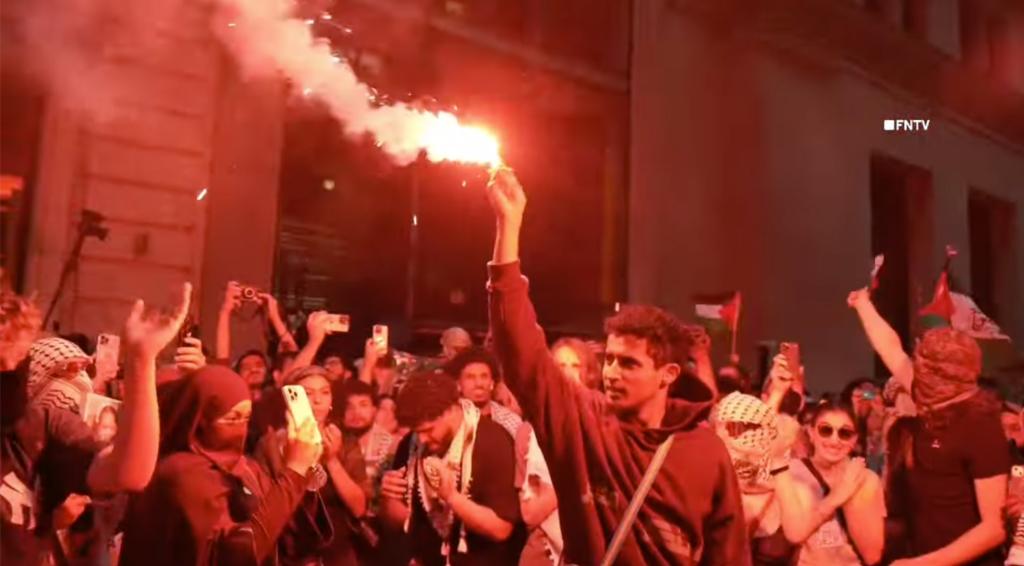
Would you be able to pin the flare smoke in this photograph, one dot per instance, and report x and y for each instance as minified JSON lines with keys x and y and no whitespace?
{"x":267,"y":40}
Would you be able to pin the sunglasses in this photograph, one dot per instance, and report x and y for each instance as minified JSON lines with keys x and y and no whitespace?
{"x":736,"y":429}
{"x":844,"y":433}
{"x":72,"y":366}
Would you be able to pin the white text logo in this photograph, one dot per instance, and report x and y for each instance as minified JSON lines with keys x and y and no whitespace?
{"x":906,"y":125}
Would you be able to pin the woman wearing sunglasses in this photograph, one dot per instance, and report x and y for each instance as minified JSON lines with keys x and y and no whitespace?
{"x":831,"y":504}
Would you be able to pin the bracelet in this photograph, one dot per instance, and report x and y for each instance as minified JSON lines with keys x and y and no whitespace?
{"x":778,"y":470}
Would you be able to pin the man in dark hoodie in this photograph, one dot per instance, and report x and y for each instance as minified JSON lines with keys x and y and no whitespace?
{"x":599,"y":445}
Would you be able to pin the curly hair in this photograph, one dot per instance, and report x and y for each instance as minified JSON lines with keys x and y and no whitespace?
{"x":473,"y":355}
{"x":667,"y":339}
{"x":356,"y":388}
{"x":590,"y":368}
{"x":425,"y":397}
{"x":18,"y":316}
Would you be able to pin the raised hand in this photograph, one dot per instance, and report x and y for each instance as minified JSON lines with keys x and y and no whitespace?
{"x":333,"y":442}
{"x":780,"y":376}
{"x":270,"y":303}
{"x":147,"y":333}
{"x":859,"y":298}
{"x":302,"y":451}
{"x":316,"y":325}
{"x":506,"y":197}
{"x":372,"y":352}
{"x":700,"y":342}
{"x":232,"y":297}
{"x":189,"y":356}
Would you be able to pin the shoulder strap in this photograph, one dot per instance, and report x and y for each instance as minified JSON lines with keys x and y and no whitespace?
{"x":840,"y":517}
{"x":825,"y":488}
{"x":629,"y":517}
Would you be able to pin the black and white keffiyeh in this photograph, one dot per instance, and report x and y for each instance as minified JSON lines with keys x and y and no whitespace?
{"x":748,"y":427}
{"x":45,"y":387}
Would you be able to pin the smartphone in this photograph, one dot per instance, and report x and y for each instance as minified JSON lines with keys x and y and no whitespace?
{"x":380,"y":337}
{"x":791,"y":350}
{"x":338,"y":323}
{"x":298,"y":406}
{"x":108,"y":353}
{"x":189,"y":329}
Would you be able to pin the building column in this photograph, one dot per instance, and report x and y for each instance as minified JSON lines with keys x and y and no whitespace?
{"x":242,"y":208}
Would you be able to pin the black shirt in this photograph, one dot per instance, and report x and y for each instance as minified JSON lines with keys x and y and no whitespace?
{"x":492,"y":485}
{"x":947,"y":460}
{"x":45,"y":457}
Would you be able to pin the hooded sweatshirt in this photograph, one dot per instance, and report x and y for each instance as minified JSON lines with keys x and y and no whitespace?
{"x":207,"y":505}
{"x":693,"y":513}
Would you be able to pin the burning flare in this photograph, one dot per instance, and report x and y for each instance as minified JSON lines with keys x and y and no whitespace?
{"x":447,"y":140}
{"x":267,"y":40}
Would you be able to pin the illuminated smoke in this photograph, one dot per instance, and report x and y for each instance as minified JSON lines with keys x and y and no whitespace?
{"x":268,"y":41}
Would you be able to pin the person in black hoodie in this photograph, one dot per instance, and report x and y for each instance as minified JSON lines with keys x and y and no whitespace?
{"x":599,"y":445}
{"x":208,"y":503}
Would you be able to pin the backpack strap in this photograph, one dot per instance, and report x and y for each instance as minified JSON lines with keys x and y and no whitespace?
{"x":840,"y":517}
{"x":629,"y":517}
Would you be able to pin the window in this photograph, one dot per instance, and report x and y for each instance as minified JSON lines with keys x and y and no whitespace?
{"x":901,"y":228}
{"x":992,"y":225}
{"x":22,"y":110}
{"x":974,"y":35}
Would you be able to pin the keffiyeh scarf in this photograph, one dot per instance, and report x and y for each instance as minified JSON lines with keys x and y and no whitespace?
{"x":45,"y":389}
{"x":748,"y":427}
{"x":426,"y":480}
{"x":507,"y":418}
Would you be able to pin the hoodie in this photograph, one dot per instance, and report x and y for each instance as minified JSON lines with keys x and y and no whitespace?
{"x":693,"y":513}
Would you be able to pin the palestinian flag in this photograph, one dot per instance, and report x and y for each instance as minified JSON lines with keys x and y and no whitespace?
{"x":962,"y":313}
{"x":719,"y":311}
{"x":939,"y":312}
{"x":968,"y":318}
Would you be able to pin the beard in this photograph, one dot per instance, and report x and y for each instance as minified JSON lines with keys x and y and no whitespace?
{"x":358,"y":431}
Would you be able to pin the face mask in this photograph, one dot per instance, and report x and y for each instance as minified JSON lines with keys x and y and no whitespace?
{"x":224,"y":439}
{"x":748,"y":428}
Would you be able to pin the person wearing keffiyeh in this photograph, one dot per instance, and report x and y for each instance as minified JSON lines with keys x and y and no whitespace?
{"x":749,"y":428}
{"x":452,"y":482}
{"x":57,"y":376}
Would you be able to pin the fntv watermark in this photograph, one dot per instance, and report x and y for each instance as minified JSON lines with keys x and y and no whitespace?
{"x":906,"y":125}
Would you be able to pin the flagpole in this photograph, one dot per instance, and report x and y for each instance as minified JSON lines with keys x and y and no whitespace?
{"x":733,"y":357}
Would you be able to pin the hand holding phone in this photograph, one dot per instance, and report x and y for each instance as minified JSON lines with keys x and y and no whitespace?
{"x":337,"y":323}
{"x":791,"y":351}
{"x":298,"y":407}
{"x":380,"y":338}
{"x":108,"y":353}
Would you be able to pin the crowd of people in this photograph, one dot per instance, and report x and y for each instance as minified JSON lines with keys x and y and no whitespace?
{"x":633,"y":450}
